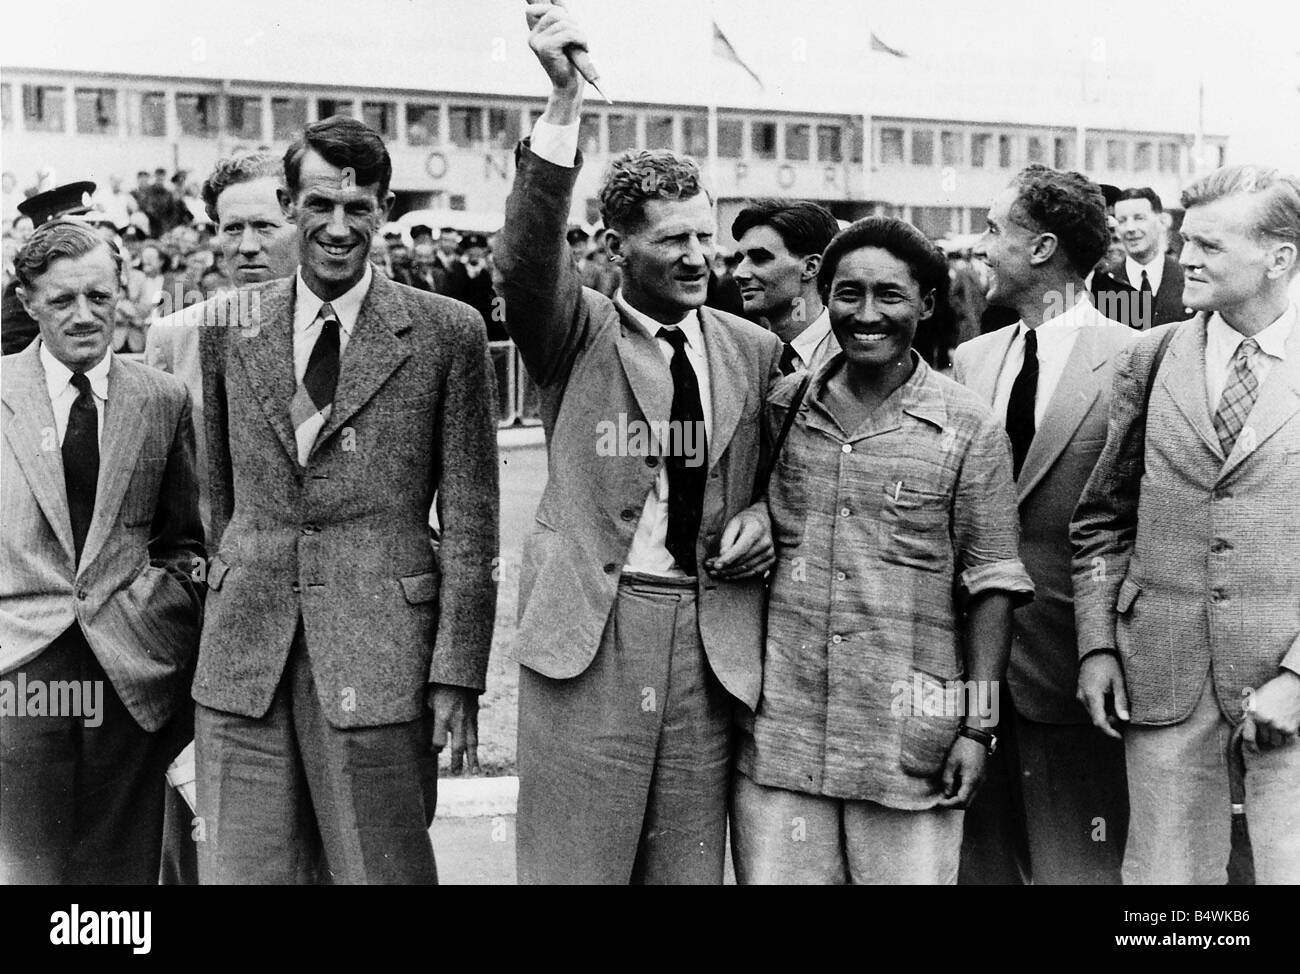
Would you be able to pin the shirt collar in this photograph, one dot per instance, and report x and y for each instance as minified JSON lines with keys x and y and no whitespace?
{"x":690,"y":323}
{"x":918,"y":396}
{"x":1135,"y":269}
{"x":58,"y":376}
{"x":806,"y":342}
{"x":1272,"y":339}
{"x":347,"y":306}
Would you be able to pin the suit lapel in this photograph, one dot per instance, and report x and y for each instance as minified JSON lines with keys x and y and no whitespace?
{"x":1183,"y":377}
{"x":985,"y":372}
{"x":31,"y":434}
{"x":267,"y":354}
{"x":124,"y":430}
{"x":647,"y":372}
{"x":728,"y":385}
{"x":1075,"y":393}
{"x":373,"y":353}
{"x":1279,"y":400}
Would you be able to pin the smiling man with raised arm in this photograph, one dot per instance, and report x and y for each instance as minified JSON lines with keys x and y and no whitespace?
{"x":641,"y":595}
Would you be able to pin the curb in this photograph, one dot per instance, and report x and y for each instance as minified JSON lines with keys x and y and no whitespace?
{"x":477,"y":797}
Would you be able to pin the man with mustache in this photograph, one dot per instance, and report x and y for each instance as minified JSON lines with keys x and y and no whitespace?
{"x":338,"y":656}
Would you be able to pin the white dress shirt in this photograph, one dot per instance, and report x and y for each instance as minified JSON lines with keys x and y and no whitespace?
{"x":58,"y":382}
{"x":1056,"y":337}
{"x":1155,"y":271}
{"x":557,"y":144}
{"x":816,"y":343}
{"x":1221,"y":341}
{"x":306,"y":326}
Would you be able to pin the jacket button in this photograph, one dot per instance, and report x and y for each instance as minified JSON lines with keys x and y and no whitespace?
{"x":628,"y":514}
{"x":295,"y":588}
{"x":610,"y":567}
{"x":309,"y":529}
{"x":1220,"y":545}
{"x":844,"y":512}
{"x":846,"y":448}
{"x":1218,"y":595}
{"x":651,"y":461}
{"x":81,"y":594}
{"x":840,"y":576}
{"x":837,"y":639}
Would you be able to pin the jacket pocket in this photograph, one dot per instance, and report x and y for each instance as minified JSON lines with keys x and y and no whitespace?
{"x":1129,"y":590}
{"x":928,"y":735}
{"x":421,"y":588}
{"x":217,"y":571}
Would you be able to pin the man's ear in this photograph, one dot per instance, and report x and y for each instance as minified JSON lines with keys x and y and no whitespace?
{"x":811,"y":265}
{"x":614,"y":244}
{"x":927,"y":305}
{"x":1282,"y":260}
{"x":25,"y":299}
{"x":386,"y":206}
{"x":1045,"y":245}
{"x":286,"y":204}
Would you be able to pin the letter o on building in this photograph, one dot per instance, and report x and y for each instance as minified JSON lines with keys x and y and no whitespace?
{"x":435,"y":164}
{"x":786,"y":177}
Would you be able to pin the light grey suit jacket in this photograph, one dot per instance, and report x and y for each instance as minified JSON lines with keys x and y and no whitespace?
{"x":137,"y":592}
{"x":593,"y":366}
{"x":1203,"y":565}
{"x":343,"y":545}
{"x":172,"y":344}
{"x":1043,"y":672}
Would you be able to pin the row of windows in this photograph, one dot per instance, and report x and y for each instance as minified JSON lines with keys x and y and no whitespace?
{"x":979,"y":150}
{"x":200,"y":115}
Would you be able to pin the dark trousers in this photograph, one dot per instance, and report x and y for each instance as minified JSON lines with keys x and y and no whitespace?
{"x":623,"y":770}
{"x":289,"y":798}
{"x":1055,"y":810}
{"x":81,"y":804}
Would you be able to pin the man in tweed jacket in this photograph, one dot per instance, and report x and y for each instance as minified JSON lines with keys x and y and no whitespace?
{"x":1187,"y":592}
{"x":333,"y":628}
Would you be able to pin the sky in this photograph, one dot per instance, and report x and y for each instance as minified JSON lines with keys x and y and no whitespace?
{"x":1101,"y":65}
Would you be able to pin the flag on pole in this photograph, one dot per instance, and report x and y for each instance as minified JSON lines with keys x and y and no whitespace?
{"x":878,"y":45}
{"x":724,"y":49}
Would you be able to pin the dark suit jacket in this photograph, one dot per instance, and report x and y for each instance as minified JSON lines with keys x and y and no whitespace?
{"x":1198,"y":570}
{"x":594,"y":365}
{"x":1043,"y":672}
{"x":137,"y":591}
{"x":1116,"y":300}
{"x":1168,"y":304}
{"x":343,"y":545}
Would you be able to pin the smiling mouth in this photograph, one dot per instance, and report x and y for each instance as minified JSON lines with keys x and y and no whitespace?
{"x":870,"y":337}
{"x":336,"y":250}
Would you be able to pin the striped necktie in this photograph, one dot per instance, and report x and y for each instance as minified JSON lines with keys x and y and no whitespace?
{"x":314,"y":397}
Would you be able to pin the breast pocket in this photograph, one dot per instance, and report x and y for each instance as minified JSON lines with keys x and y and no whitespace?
{"x":141,"y":499}
{"x":916,"y":526}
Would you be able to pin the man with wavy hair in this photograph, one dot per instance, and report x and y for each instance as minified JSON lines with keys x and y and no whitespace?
{"x":641,"y":592}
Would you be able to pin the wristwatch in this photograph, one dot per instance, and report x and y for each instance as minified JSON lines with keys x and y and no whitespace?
{"x":988,"y":738}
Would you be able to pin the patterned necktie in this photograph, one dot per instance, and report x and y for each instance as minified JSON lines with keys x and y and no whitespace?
{"x":81,"y":460}
{"x":789,"y":360}
{"x":686,"y":474}
{"x":314,"y":397}
{"x":1239,"y":396}
{"x":1020,"y":407}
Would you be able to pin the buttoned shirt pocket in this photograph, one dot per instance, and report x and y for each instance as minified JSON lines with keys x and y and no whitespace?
{"x":141,"y":498}
{"x":929,"y":724}
{"x":916,"y":522}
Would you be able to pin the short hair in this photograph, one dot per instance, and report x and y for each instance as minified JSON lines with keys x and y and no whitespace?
{"x":803,"y":226}
{"x":1278,"y":210}
{"x":926,"y":262}
{"x":1142,"y":193}
{"x":234,"y":170}
{"x":59,"y":239}
{"x":1068,"y":205}
{"x":636,"y":177}
{"x":343,"y":142}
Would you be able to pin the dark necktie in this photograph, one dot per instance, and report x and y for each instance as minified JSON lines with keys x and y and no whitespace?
{"x":789,"y":360}
{"x":686,"y":474}
{"x":1020,"y":408}
{"x":81,"y":460}
{"x":1146,"y":299}
{"x":314,"y":397}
